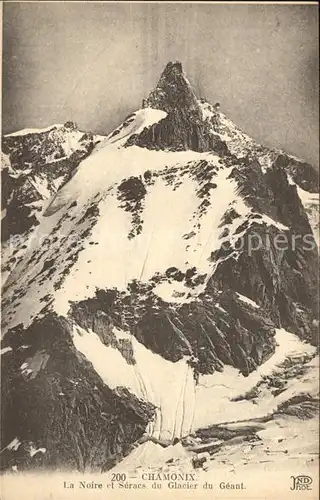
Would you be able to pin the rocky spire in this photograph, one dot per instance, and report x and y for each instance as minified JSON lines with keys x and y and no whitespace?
{"x":172,"y":91}
{"x":184,"y":127}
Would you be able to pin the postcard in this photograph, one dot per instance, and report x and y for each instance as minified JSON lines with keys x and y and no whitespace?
{"x":160,"y":236}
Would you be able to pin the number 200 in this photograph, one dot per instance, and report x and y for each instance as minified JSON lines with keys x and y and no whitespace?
{"x":118,"y":477}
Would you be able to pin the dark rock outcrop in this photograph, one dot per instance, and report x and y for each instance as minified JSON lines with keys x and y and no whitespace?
{"x":67,"y":410}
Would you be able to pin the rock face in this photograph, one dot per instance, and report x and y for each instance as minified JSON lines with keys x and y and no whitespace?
{"x":137,"y":264}
{"x":282,"y":273}
{"x":84,"y":425}
{"x":183,"y":128}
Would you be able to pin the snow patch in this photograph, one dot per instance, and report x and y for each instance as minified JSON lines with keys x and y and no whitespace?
{"x":248,"y":301}
{"x":13,"y":445}
{"x":221,"y":309}
{"x":271,"y":222}
{"x":5,"y":350}
{"x":41,"y":186}
{"x":139,"y":120}
{"x":27,"y":131}
{"x":33,"y":451}
{"x":173,"y":292}
{"x":310,"y":201}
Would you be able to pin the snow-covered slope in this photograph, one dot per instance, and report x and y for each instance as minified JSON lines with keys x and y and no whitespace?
{"x":34,"y":165}
{"x":144,"y":277}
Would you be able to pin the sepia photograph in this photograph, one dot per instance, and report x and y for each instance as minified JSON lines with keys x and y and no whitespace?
{"x":160,"y":250}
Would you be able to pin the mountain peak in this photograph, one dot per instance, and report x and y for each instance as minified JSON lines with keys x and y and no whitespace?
{"x":185,"y":126}
{"x":172,"y":68}
{"x":172,"y":91}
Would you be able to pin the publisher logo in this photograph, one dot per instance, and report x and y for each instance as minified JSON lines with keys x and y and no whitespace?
{"x":301,"y":483}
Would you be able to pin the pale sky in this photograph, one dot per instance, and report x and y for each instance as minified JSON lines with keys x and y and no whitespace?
{"x":94,"y":62}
